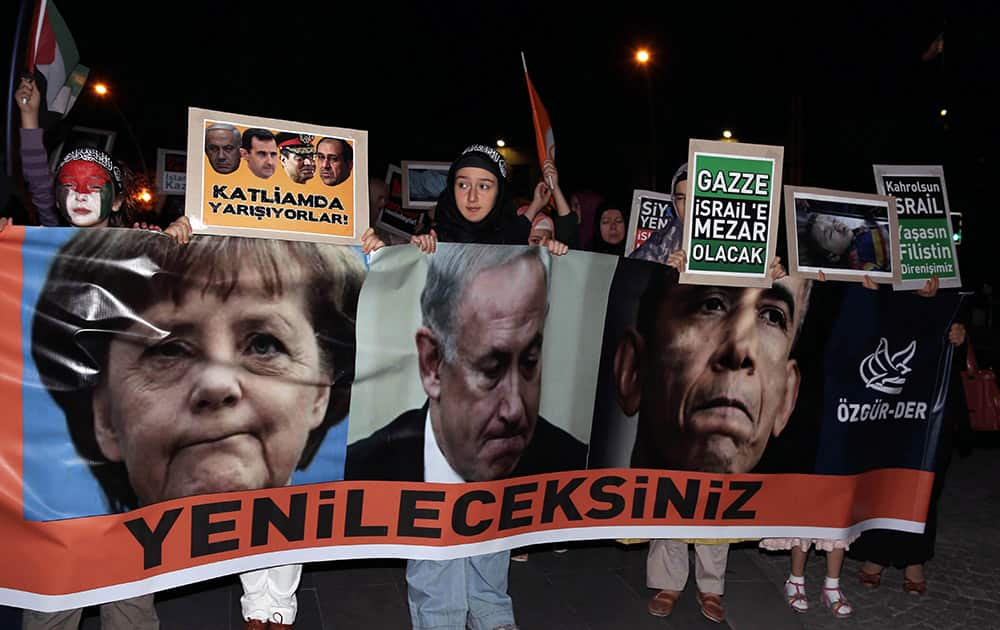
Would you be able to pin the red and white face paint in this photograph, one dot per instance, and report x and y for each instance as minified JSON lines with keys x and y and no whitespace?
{"x":85,"y":193}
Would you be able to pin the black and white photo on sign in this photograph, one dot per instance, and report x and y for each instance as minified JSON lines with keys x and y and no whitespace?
{"x":845,"y":235}
{"x":423,"y":183}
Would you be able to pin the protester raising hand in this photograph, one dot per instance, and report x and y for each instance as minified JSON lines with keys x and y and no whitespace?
{"x":29,"y":101}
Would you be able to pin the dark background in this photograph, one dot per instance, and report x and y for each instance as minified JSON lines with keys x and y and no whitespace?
{"x":840,"y":87}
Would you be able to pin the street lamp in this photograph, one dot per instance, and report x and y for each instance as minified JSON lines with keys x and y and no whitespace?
{"x":643,"y":57}
{"x":501,"y":143}
{"x":102,"y":90}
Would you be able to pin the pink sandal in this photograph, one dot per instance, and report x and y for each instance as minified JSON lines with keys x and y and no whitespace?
{"x":840,"y":608}
{"x":798,"y":600}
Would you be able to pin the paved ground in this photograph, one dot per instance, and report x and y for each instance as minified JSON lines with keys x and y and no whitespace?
{"x":601,"y":586}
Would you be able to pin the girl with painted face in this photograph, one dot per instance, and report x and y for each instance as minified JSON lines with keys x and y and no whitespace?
{"x":89,"y":189}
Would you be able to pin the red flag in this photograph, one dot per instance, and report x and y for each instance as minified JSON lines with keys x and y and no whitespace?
{"x":544,"y":139}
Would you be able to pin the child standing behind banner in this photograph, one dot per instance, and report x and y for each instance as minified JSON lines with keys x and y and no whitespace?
{"x":795,"y":586}
{"x":89,"y":193}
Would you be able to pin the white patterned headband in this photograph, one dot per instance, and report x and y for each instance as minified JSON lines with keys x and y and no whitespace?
{"x":490,"y":152}
{"x":99,"y":158}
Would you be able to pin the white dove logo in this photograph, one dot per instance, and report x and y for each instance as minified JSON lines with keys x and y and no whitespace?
{"x":885,"y":373}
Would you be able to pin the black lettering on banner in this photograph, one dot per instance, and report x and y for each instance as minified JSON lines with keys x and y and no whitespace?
{"x":616,"y":502}
{"x":202,"y":528}
{"x":354,"y":514}
{"x":219,"y":192}
{"x":238,"y":194}
{"x":556,"y":497}
{"x":151,"y":541}
{"x":511,"y":504}
{"x":639,"y":496}
{"x":712,"y":503}
{"x":324,"y":519}
{"x":749,"y":488}
{"x":459,"y":517}
{"x":266,"y":512}
{"x":667,"y":494}
{"x":409,"y":512}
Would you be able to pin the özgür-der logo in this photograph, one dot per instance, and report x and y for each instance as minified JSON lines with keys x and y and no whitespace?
{"x":884,"y":372}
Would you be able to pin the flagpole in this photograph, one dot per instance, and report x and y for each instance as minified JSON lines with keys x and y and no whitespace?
{"x":14,"y":75}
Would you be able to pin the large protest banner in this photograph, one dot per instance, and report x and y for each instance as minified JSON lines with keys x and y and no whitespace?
{"x":651,"y":212}
{"x":731,"y":220}
{"x":176,"y":413}
{"x":269,"y":178}
{"x":926,"y":245}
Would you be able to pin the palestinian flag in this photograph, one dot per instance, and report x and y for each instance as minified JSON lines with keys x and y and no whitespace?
{"x":53,"y":54}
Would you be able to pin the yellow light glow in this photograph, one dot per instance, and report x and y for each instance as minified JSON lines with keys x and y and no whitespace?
{"x":642,"y":56}
{"x":501,"y":143}
{"x":943,"y":112}
{"x":727,"y":134}
{"x":101,"y":89}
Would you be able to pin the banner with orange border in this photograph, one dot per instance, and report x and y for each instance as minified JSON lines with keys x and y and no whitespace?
{"x":216,"y":321}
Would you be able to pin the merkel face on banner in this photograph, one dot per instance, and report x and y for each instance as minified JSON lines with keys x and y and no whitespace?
{"x":174,"y":413}
{"x":269,"y":178}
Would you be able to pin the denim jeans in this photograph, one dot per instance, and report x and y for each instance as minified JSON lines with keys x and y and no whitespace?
{"x":454,"y":594}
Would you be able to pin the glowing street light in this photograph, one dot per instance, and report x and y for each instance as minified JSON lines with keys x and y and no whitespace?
{"x":943,"y":112}
{"x":501,"y":143}
{"x":642,"y":56}
{"x":102,"y":90}
{"x":727,"y":134}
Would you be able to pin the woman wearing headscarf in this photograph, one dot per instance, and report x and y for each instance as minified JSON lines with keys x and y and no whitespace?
{"x":609,"y":229}
{"x":475,"y":206}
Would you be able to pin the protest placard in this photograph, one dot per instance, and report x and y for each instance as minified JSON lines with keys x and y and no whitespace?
{"x":845,"y":235}
{"x":925,"y":235}
{"x":651,"y":212}
{"x":267,"y":178}
{"x":731,"y":223}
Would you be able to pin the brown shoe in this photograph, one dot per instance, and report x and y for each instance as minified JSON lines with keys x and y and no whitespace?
{"x":711,"y":607}
{"x":255,"y":624}
{"x":662,"y":604}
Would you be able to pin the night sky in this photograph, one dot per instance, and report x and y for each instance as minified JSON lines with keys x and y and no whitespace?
{"x":840,"y":87}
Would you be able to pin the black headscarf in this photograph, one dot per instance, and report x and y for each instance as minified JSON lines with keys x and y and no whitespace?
{"x":598,"y":244}
{"x":496,"y":227}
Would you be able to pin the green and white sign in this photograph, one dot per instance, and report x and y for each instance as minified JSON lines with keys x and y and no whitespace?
{"x":731,"y":221}
{"x":925,"y":240}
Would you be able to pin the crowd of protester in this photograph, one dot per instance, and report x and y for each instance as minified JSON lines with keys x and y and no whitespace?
{"x":90,"y":189}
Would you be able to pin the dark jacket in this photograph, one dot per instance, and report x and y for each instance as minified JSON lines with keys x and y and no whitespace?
{"x":396,"y":452}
